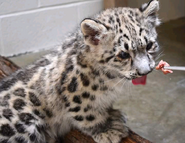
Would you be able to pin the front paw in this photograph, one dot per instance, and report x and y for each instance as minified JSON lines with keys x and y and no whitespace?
{"x":111,"y":136}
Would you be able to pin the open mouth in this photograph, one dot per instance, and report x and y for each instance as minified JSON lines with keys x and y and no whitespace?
{"x":140,"y":80}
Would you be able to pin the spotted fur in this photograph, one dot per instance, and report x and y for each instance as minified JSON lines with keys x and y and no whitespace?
{"x":75,"y":86}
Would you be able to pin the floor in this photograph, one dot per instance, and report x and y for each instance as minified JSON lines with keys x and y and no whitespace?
{"x":157,"y":110}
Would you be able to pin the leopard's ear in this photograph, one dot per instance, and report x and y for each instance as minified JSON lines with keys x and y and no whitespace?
{"x":150,"y":11}
{"x":92,"y":31}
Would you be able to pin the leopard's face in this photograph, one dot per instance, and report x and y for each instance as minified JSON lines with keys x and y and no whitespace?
{"x":124,"y":39}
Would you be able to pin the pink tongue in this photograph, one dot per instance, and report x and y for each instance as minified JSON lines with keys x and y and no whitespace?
{"x":140,"y":80}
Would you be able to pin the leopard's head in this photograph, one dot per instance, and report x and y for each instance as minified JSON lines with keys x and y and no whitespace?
{"x":124,"y":39}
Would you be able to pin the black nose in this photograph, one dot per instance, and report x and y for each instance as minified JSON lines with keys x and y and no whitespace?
{"x":145,"y":73}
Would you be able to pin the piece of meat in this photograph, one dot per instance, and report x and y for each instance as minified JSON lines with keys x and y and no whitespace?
{"x":161,"y":66}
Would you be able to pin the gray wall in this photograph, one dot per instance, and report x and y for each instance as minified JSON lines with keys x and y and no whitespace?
{"x":169,"y":9}
{"x":33,"y":25}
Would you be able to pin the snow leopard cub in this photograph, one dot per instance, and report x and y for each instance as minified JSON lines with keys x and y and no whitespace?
{"x":75,"y":86}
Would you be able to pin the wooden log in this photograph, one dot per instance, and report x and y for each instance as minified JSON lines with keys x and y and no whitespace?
{"x":7,"y":67}
{"x":78,"y":137}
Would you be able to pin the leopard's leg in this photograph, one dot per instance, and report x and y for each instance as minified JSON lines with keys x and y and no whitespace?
{"x":113,"y":130}
{"x":107,"y":127}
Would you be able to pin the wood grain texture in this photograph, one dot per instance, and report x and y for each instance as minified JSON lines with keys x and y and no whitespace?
{"x":77,"y":137}
{"x":7,"y":67}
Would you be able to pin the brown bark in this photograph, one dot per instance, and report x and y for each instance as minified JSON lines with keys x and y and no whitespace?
{"x":7,"y":67}
{"x":77,"y":137}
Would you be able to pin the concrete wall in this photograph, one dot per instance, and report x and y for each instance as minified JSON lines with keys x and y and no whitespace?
{"x":169,"y":9}
{"x":32,"y":25}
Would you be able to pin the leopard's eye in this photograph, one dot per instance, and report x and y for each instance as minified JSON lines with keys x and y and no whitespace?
{"x":123,"y":55}
{"x":149,"y":46}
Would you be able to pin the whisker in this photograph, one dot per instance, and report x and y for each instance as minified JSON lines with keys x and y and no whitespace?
{"x":124,"y":83}
{"x":160,"y":55}
{"x":122,"y":86}
{"x":118,"y":82}
{"x":130,"y":87}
